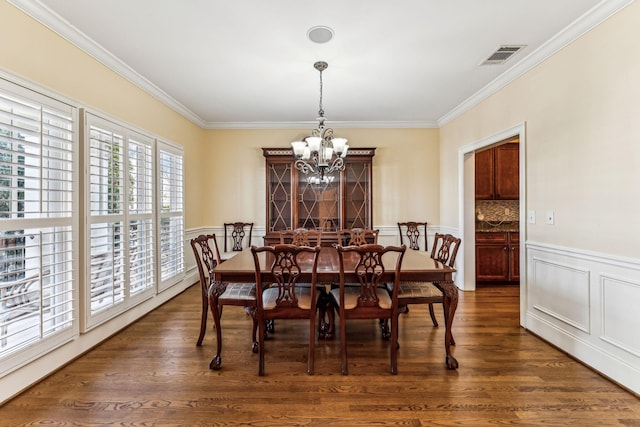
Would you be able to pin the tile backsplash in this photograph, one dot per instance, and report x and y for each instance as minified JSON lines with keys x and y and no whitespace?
{"x":497,"y":210}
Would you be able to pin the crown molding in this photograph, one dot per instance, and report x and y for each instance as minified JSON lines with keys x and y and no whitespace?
{"x":590,"y":19}
{"x":64,"y":29}
{"x":312,"y":124}
{"x":56,"y":23}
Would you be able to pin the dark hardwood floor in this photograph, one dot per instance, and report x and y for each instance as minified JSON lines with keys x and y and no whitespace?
{"x":152,"y":374}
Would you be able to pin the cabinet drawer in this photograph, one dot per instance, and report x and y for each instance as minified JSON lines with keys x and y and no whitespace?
{"x":514,"y":237}
{"x":491,"y":237}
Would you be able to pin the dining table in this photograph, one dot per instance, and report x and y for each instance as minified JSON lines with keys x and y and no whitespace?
{"x":416,"y":266}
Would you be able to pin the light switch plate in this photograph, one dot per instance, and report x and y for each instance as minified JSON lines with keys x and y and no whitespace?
{"x":550,"y":217}
{"x":531,"y":217}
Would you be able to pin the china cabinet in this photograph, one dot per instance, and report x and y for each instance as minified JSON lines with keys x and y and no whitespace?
{"x":293,"y":201}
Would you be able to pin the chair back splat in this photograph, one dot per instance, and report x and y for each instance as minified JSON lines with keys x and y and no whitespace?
{"x":357,"y":236}
{"x":414,"y":235}
{"x":301,"y":237}
{"x":237,"y":236}
{"x":445,"y":248}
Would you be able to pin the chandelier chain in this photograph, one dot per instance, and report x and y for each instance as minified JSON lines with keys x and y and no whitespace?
{"x":320,"y":110}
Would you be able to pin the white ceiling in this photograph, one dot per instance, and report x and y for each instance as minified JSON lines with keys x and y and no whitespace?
{"x":249,"y":63}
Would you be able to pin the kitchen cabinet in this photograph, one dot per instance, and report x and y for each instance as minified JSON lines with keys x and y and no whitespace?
{"x":497,"y":173}
{"x":294,"y":202}
{"x":498,"y":256}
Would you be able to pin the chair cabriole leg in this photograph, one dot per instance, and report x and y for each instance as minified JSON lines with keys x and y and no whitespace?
{"x":203,"y":320}
{"x":216,"y":362}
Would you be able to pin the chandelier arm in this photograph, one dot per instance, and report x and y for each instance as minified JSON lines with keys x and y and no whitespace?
{"x":305,"y":167}
{"x":336,"y":165}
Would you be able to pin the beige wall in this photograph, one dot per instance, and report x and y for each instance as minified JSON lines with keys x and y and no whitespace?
{"x":405,"y":172}
{"x":580,"y":109}
{"x":582,"y":114}
{"x":37,"y":54}
{"x":224,"y":168}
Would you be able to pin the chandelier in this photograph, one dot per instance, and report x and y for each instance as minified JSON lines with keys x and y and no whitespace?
{"x":320,"y":155}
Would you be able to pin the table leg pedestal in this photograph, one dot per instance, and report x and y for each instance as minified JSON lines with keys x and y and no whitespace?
{"x":326,"y":317}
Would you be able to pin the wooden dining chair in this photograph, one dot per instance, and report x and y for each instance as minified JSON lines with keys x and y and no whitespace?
{"x":369,"y":300}
{"x":301,"y":237}
{"x":279,"y":293}
{"x":357,"y":236}
{"x":326,"y":315}
{"x":237,"y":236}
{"x":444,"y":250}
{"x":216,"y":294}
{"x":414,"y":235}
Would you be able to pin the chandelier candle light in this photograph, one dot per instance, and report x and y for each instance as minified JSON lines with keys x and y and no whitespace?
{"x":321,"y":154}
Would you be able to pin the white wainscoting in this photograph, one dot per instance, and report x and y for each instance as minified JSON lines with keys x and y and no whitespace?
{"x":586,"y":304}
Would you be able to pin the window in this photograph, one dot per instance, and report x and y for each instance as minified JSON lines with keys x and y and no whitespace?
{"x":38,"y":223}
{"x":131,"y":200}
{"x":121,"y":267}
{"x":171,"y":215}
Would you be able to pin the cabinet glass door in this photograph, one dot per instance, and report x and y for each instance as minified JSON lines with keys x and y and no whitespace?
{"x":279,"y":197}
{"x":318,"y":204}
{"x":357,"y":178}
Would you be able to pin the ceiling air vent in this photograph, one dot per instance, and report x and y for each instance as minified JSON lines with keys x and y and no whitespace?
{"x":502,"y":54}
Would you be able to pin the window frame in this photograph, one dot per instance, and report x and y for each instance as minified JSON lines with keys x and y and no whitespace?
{"x":174,"y":150}
{"x":92,"y":318}
{"x":42,"y":220}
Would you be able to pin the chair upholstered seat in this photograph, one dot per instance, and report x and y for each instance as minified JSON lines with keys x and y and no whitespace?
{"x":416,"y":290}
{"x":303,"y":294}
{"x":351,"y":294}
{"x":239,"y":291}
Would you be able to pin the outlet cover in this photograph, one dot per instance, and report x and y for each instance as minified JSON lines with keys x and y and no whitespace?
{"x":550,"y":217}
{"x":531,"y":217}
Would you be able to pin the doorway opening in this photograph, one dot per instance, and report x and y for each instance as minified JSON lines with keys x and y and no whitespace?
{"x":467,"y":214}
{"x":497,"y":194}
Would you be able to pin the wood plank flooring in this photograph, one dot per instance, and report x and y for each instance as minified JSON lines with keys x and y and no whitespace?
{"x":152,"y":374}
